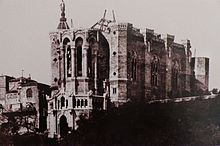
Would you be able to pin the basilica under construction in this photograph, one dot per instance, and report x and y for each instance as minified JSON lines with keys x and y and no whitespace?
{"x":115,"y":63}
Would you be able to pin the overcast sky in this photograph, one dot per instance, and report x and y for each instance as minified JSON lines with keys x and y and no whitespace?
{"x":25,"y":27}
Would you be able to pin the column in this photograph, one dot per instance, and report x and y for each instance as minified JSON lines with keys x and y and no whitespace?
{"x":84,"y":61}
{"x":95,"y":67}
{"x":63,"y":73}
{"x":73,"y":51}
{"x":75,"y":71}
{"x":59,"y":66}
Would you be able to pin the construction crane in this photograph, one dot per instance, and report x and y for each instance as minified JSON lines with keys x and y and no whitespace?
{"x":103,"y":22}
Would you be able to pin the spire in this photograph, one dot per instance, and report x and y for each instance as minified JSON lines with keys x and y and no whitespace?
{"x":63,"y":24}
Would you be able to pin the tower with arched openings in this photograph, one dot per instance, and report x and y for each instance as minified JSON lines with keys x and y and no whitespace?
{"x":80,"y":75}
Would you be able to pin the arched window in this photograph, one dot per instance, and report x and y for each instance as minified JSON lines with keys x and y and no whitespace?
{"x":29,"y":93}
{"x":154,"y":71}
{"x":79,"y":43}
{"x":82,"y":102}
{"x":89,"y":61}
{"x":134,"y":66}
{"x":67,"y":57}
{"x":78,"y":102}
{"x":67,"y":103}
{"x":62,"y":102}
{"x":51,"y":105}
{"x":58,"y":104}
{"x":174,"y":78}
{"x":74,"y":102}
{"x":86,"y":103}
{"x":134,"y":69}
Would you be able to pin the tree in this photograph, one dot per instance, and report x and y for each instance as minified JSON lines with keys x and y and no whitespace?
{"x":186,"y":123}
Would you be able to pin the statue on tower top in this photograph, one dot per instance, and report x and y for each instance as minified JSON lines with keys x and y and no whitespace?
{"x":63,"y":24}
{"x":62,"y":6}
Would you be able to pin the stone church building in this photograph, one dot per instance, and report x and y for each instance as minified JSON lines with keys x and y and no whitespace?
{"x":24,"y":100}
{"x":116,"y":63}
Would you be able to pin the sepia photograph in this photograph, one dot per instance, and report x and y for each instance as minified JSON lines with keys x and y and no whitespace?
{"x":109,"y":73}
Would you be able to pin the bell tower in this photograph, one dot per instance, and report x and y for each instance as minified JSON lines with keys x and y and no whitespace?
{"x":60,"y":51}
{"x":79,"y":65}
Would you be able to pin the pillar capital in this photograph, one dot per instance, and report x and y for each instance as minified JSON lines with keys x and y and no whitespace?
{"x":73,"y":46}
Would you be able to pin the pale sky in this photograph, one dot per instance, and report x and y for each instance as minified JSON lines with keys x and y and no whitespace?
{"x":25,"y":27}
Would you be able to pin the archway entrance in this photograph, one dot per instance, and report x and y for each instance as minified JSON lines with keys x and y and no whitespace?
{"x":63,"y":126}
